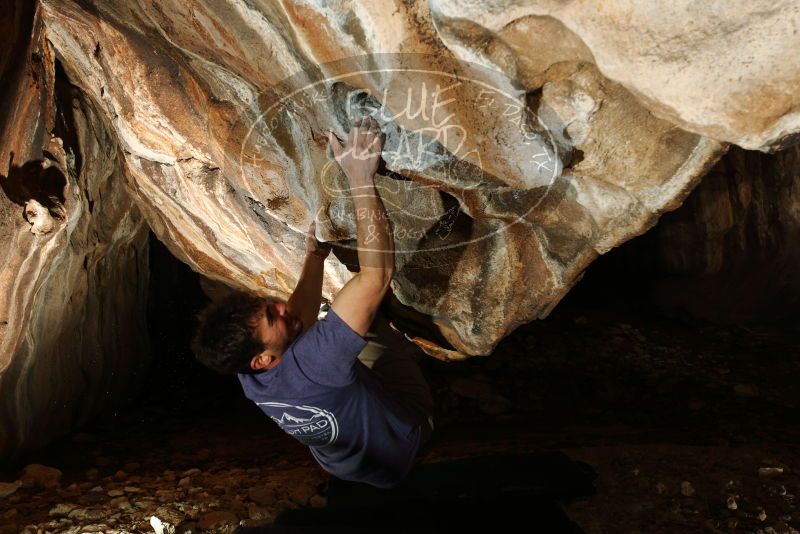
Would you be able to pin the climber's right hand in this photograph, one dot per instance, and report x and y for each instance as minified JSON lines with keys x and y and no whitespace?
{"x":360,"y":155}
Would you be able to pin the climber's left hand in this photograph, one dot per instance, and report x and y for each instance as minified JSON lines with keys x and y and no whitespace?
{"x":315,"y":247}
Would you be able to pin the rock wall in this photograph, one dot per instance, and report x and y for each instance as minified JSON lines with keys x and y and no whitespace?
{"x":522,"y":140}
{"x":74,"y":269}
{"x":731,"y":252}
{"x":189,"y":92}
{"x":728,"y":71}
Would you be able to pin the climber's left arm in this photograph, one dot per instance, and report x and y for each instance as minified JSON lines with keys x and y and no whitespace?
{"x":307,"y":295}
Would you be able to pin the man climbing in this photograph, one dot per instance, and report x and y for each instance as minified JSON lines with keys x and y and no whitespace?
{"x":363,"y":411}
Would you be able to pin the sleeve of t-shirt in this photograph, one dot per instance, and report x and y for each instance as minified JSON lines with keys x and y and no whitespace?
{"x":327,"y":352}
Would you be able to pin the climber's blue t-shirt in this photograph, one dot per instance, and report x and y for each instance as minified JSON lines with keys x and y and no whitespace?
{"x":324,"y":397}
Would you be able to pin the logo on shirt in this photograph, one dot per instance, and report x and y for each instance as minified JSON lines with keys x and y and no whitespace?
{"x":310,"y":425}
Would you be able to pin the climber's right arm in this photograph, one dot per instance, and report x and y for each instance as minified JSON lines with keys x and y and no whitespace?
{"x":358,"y":301}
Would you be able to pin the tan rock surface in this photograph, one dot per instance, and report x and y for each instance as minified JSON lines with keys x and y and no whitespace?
{"x":731,"y":252}
{"x":728,"y":70}
{"x":230,"y":194}
{"x":72,"y":298}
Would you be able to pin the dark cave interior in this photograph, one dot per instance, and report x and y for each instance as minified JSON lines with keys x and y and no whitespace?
{"x":611,"y":377}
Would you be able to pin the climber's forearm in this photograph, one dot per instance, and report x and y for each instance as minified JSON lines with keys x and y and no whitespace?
{"x":375,"y":241}
{"x":307,"y":295}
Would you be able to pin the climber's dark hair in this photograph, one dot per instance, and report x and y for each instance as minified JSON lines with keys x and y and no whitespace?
{"x":225,"y":338}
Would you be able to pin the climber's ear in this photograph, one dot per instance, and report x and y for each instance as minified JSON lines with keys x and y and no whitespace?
{"x":262,"y":361}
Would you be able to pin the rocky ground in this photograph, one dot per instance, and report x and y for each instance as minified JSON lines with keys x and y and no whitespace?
{"x":691,"y":427}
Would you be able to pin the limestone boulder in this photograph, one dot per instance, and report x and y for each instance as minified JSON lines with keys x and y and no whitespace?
{"x":74,"y":263}
{"x":221,"y":114}
{"x":729,"y":71}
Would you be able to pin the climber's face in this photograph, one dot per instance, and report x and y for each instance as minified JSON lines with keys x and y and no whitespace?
{"x":277,"y":329}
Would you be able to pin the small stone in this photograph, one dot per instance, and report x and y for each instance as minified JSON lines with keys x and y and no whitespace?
{"x":258,"y":513}
{"x":115,"y":493}
{"x":97,"y":489}
{"x":161,"y":527}
{"x":7,"y":488}
{"x":144,"y":503}
{"x":184,"y":482}
{"x":318,"y":501}
{"x":255,"y":523}
{"x":121,"y":502}
{"x":746,"y":390}
{"x":264,"y":496}
{"x":61,"y":510}
{"x":237,"y":505}
{"x":687,"y":489}
{"x":170,"y":515}
{"x":762,"y":515}
{"x":218,"y":520}
{"x":132,"y":489}
{"x":92,"y":473}
{"x":120,"y":475}
{"x":769,"y":471}
{"x":84,"y":514}
{"x":94,"y":528}
{"x":40,"y":476}
{"x":191,"y":472}
{"x":732,"y":503}
{"x":169,"y":476}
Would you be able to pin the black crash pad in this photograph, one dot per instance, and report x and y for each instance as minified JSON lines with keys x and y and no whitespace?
{"x":509,"y":491}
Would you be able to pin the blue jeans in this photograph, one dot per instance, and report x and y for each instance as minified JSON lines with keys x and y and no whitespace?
{"x":395,"y":360}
